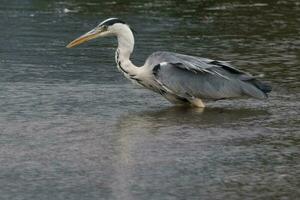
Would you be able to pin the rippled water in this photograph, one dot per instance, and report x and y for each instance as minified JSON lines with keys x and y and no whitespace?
{"x":71,"y":127}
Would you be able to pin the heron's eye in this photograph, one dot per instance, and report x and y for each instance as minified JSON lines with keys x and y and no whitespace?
{"x":104,"y":27}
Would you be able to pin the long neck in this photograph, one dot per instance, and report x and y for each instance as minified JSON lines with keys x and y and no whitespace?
{"x":125,"y":48}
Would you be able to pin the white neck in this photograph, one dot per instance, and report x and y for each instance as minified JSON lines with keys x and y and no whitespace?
{"x":125,"y":48}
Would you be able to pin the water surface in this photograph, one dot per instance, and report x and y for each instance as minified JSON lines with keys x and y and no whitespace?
{"x":71,"y":127}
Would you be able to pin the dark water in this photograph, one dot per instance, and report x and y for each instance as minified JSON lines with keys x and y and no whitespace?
{"x":71,"y":127}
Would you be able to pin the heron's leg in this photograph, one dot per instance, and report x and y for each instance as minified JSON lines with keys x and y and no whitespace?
{"x":197,"y":102}
{"x":181,"y":101}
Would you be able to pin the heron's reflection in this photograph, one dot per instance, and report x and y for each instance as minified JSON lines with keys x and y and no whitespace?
{"x":148,"y":138}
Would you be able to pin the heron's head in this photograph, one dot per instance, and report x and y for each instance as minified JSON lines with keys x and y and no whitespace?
{"x":108,"y":27}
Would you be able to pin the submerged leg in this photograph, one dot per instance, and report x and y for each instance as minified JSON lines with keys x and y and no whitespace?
{"x":197,"y":103}
{"x":180,"y":101}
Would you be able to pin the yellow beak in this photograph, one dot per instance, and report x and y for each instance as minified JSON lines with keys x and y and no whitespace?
{"x":85,"y":37}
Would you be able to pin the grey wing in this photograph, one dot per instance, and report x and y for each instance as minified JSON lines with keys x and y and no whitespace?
{"x":189,"y":76}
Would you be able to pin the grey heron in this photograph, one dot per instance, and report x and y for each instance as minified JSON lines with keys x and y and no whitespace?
{"x":181,"y":79}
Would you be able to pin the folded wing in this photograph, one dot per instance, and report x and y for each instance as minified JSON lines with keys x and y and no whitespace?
{"x":189,"y":76}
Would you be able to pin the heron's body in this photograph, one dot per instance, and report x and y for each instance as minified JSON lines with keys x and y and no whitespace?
{"x":181,"y":79}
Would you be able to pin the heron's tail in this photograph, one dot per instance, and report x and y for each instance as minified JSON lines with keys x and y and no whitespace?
{"x":262,"y":86}
{"x":257,"y":88}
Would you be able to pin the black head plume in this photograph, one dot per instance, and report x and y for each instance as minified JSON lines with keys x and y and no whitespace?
{"x":112,"y":21}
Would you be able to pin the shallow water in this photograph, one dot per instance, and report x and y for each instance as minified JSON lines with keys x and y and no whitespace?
{"x":71,"y":127}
